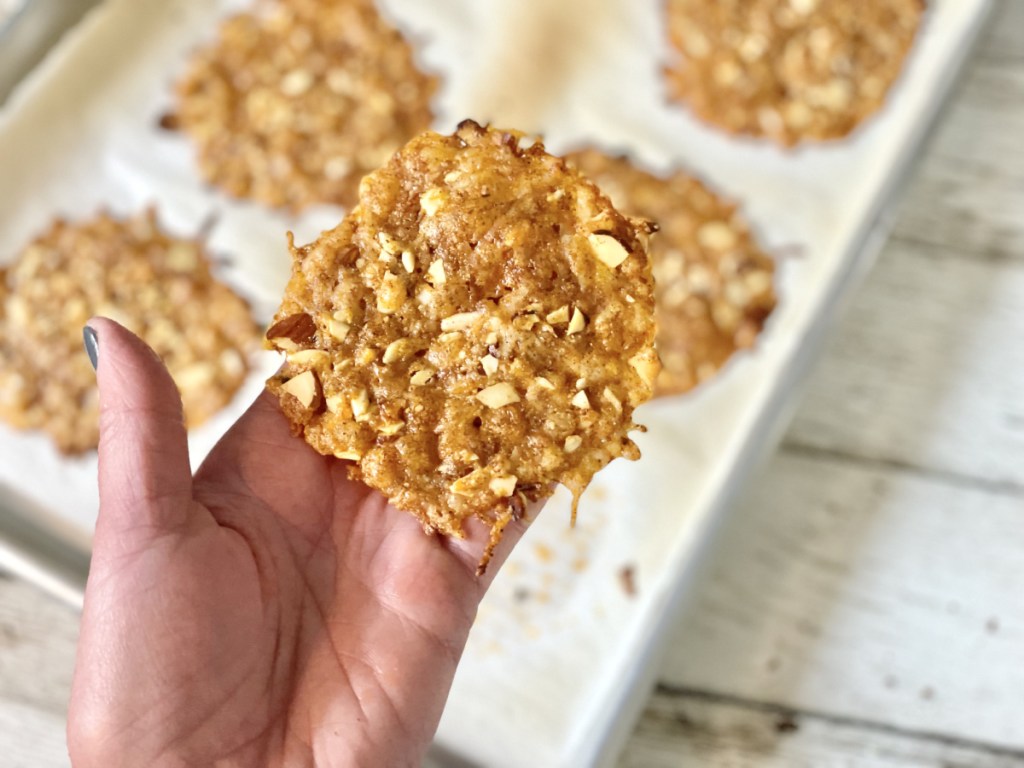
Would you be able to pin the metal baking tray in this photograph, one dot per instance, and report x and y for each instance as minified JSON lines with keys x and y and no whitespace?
{"x":556,"y":679}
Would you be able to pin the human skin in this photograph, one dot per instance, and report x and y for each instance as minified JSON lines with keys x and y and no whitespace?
{"x":268,"y":611}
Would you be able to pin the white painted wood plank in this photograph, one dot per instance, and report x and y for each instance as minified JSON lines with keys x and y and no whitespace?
{"x":927,"y":368}
{"x":37,"y":647}
{"x":865,"y":592}
{"x":31,"y":738}
{"x":981,"y":123}
{"x":37,"y":652}
{"x":969,"y":191}
{"x":684,"y":731}
{"x":966,"y":207}
{"x":1002,"y":40}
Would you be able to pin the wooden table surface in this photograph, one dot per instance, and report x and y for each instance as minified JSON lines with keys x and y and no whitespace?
{"x":864,"y":605}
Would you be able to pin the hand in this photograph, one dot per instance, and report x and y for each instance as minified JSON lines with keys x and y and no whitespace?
{"x":267,"y":612}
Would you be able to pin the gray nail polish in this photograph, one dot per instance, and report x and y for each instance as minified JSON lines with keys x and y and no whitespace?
{"x":92,"y":345}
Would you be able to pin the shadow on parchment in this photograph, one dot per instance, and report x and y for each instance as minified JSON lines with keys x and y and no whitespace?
{"x":543,"y":48}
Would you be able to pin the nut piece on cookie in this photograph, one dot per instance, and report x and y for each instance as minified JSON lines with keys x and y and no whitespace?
{"x":296,"y":101}
{"x":714,"y":285}
{"x":788,"y":70}
{"x":457,"y":387}
{"x":129,"y":270}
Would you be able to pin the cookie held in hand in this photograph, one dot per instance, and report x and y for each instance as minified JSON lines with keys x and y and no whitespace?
{"x":479,"y":329}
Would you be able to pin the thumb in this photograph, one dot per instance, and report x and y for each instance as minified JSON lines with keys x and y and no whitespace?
{"x":144,"y":475}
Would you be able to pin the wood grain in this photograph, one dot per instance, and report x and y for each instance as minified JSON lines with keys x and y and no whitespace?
{"x":31,"y":738}
{"x":1002,"y":41}
{"x":37,"y":653}
{"x":864,"y":591}
{"x":969,"y":191}
{"x":37,"y":643}
{"x":927,"y":370}
{"x":693,"y":729}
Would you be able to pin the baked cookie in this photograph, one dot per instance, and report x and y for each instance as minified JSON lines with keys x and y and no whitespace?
{"x":477,"y":330}
{"x":296,"y":102}
{"x":129,"y":270}
{"x":713,"y":284}
{"x":790,"y":70}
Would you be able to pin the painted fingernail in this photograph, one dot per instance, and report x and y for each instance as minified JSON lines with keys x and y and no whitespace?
{"x":92,"y":345}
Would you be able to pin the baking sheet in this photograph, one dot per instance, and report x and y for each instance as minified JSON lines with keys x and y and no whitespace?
{"x":561,"y":652}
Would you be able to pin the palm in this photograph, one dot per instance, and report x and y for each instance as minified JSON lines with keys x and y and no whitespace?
{"x":295,"y":619}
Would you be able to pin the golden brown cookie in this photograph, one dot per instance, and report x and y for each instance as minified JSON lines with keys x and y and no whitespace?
{"x":295,"y":102}
{"x":129,"y":270}
{"x":790,"y":70}
{"x":477,"y":330}
{"x":713,"y":284}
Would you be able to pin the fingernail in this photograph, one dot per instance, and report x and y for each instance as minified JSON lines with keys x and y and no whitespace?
{"x":92,"y":345}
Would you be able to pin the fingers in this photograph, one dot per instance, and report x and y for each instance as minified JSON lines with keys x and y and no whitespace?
{"x":144,"y":474}
{"x":262,"y":429}
{"x":485,"y":548}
